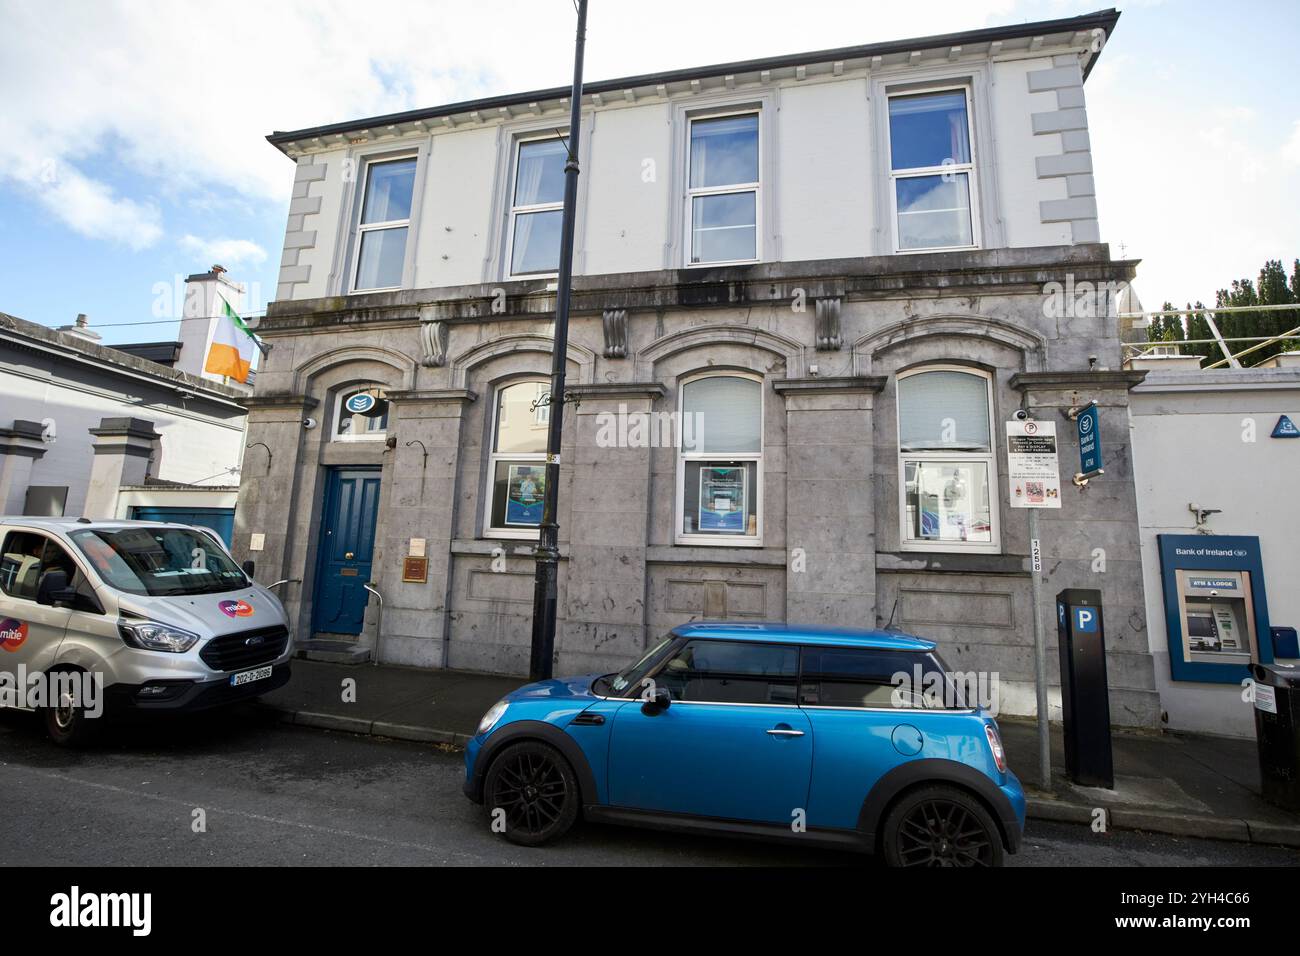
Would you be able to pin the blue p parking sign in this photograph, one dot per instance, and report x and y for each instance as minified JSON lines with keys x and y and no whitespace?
{"x":1085,"y":620}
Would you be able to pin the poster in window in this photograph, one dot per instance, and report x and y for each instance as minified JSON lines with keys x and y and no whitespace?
{"x":722,"y":499}
{"x":524,"y":493}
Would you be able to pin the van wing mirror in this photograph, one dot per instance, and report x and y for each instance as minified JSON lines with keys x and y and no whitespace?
{"x":52,"y":587}
{"x":248,"y":567}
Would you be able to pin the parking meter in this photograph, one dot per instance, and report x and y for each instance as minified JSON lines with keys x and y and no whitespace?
{"x":1085,"y":699}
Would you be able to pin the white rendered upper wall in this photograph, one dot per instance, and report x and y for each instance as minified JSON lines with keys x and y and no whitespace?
{"x":825,"y":189}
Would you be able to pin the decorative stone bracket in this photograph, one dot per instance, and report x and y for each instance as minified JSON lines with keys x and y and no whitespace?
{"x":615,"y":322}
{"x":828,"y":325}
{"x":433,"y":339}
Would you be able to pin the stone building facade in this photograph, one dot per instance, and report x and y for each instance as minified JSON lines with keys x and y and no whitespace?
{"x":852,"y":385}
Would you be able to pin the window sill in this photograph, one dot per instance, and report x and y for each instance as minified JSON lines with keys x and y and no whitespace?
{"x":952,"y":562}
{"x":751,"y":555}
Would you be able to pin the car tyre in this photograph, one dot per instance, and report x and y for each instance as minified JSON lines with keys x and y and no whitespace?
{"x":68,"y":726}
{"x":940,"y":826}
{"x":531,"y":794}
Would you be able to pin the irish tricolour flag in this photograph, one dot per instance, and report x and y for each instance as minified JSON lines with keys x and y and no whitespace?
{"x":233,"y":342}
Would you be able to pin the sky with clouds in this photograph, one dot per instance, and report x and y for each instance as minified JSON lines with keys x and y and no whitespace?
{"x":133,"y":152}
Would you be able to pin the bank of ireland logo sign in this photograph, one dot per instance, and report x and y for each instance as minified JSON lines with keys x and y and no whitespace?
{"x":236,"y":608}
{"x":12,"y":634}
{"x":360,"y":403}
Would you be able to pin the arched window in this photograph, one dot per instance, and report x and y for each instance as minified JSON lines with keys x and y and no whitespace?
{"x":947,"y":470}
{"x":362,"y":414}
{"x":720,"y":460}
{"x":516,"y":479}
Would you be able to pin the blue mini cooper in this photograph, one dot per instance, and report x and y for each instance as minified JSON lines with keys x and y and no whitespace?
{"x":811,"y":735}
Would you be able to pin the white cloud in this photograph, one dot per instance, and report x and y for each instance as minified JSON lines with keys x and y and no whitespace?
{"x":182,"y":93}
{"x":226,"y":252}
{"x":1291,"y":148}
{"x":89,"y":207}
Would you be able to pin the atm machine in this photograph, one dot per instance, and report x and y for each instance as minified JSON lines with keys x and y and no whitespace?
{"x":1215,"y":606}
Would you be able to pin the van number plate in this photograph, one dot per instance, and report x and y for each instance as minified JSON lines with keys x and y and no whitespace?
{"x":247,"y":677}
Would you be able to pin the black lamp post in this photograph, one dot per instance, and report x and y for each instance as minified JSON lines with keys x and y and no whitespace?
{"x":548,"y":550}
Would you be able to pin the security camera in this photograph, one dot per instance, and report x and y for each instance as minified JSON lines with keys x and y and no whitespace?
{"x":309,"y":423}
{"x":1021,"y":415}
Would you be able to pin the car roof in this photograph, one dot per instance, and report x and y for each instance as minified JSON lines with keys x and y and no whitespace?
{"x":67,"y":525}
{"x":779,"y":633}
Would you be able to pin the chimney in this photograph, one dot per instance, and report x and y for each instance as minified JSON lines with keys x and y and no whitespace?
{"x":204,"y":293}
{"x":81,"y":329}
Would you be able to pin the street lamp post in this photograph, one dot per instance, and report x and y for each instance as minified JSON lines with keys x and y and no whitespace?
{"x":548,"y":550}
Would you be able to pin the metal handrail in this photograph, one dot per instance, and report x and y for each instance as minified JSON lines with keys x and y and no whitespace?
{"x":379,"y":618}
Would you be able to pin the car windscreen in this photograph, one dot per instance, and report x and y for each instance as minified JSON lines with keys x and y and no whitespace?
{"x":624,"y":683}
{"x":159,"y":561}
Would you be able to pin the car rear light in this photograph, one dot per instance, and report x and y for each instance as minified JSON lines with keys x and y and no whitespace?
{"x":995,"y":744}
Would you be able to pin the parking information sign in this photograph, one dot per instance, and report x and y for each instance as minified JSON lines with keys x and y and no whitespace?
{"x":1089,"y":423}
{"x":1033,"y":474}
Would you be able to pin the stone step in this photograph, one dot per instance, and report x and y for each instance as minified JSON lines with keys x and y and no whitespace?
{"x":332,"y":651}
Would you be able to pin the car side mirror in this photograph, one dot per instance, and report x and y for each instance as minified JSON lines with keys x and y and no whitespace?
{"x":658,"y":701}
{"x":248,"y":567}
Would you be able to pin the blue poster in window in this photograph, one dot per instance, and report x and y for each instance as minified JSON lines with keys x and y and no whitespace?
{"x":722,"y":499}
{"x":524,"y":495}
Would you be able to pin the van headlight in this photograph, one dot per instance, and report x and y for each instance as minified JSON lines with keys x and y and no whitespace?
{"x":490,"y":719}
{"x":150,"y":636}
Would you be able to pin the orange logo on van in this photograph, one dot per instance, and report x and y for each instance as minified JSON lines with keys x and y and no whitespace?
{"x":236,"y":608}
{"x":12,"y":634}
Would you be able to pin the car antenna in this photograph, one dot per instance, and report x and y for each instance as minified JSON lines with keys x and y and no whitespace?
{"x":890,"y":625}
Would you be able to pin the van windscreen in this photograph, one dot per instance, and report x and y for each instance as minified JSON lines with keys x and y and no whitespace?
{"x":159,"y":561}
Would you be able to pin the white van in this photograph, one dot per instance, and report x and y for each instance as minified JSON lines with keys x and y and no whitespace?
{"x":104,"y":617}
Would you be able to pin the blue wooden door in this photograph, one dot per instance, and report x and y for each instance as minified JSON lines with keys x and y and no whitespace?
{"x":347,"y":545}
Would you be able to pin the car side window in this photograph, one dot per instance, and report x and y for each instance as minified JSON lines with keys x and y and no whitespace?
{"x":731,"y":672}
{"x":20,"y":564}
{"x":869,"y":678}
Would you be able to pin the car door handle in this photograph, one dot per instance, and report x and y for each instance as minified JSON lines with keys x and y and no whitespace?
{"x":785,"y":732}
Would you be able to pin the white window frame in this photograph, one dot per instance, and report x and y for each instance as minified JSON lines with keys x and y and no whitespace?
{"x":343,"y":394}
{"x":919,"y":171}
{"x":363,"y":228}
{"x":679,"y":510}
{"x":489,"y":483}
{"x":692,"y":193}
{"x":989,"y":458}
{"x":515,"y":211}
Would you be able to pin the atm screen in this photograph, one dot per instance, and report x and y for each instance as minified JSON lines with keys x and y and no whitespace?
{"x":1201,"y":630}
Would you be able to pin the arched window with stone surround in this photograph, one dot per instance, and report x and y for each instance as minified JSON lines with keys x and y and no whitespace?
{"x":361,"y":414}
{"x":720,"y":459}
{"x":516,"y":474}
{"x":946,"y":460}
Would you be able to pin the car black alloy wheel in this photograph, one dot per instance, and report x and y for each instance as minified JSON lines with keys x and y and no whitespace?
{"x":941,"y":832}
{"x":532,"y":785}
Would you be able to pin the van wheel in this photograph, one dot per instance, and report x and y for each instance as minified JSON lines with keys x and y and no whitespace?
{"x":531,"y":794}
{"x":941,"y":826}
{"x":68,"y":725}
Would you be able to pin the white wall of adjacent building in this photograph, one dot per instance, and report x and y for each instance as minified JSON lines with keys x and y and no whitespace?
{"x":1189,"y":430}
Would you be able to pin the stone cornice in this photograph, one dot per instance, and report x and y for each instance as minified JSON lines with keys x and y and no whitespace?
{"x":410,"y":396}
{"x":303,"y":402}
{"x":650,"y":390}
{"x":981,"y":271}
{"x":843,"y":383}
{"x":1046,"y":380}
